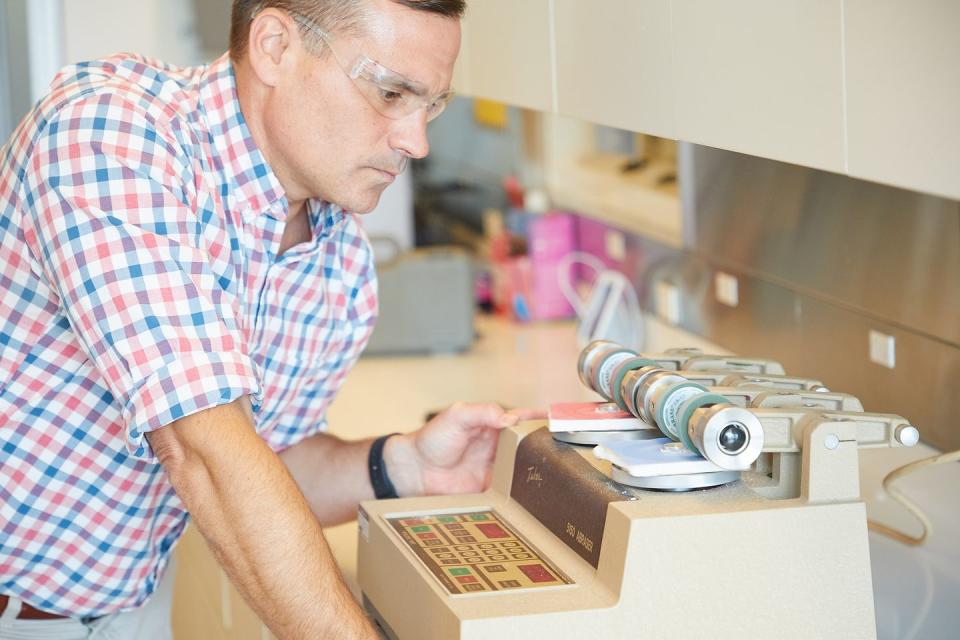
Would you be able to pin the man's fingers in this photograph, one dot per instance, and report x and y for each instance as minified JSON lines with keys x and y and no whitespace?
{"x":490,"y":416}
{"x":470,"y":417}
{"x":528,"y":414}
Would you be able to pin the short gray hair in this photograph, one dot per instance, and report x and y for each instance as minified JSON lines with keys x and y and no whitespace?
{"x":332,"y":16}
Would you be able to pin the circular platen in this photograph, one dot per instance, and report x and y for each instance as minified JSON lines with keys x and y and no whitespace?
{"x":593,"y":438}
{"x":680,"y":482}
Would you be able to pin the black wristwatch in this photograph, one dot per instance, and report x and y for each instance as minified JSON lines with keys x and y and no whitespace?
{"x":379,"y":480}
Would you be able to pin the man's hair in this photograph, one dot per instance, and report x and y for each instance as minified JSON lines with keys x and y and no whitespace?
{"x":333,"y":16}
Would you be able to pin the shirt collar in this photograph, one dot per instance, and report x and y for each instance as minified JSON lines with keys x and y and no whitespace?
{"x":249,"y":179}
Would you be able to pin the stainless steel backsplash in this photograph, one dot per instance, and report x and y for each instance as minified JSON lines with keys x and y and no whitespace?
{"x":821,"y":260}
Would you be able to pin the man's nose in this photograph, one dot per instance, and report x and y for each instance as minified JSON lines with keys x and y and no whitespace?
{"x":409,"y":135}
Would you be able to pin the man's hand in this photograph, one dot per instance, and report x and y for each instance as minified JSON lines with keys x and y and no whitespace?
{"x":453,"y":453}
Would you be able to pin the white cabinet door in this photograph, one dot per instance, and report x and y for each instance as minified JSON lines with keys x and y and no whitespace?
{"x":763,"y":77}
{"x":508,"y":53}
{"x":461,"y":77}
{"x":903,"y":93}
{"x":613,"y":63}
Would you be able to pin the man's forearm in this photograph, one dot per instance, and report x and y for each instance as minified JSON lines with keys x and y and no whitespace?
{"x":259,"y":526}
{"x":334,"y":477}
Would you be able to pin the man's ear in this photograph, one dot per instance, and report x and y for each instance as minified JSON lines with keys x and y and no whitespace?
{"x":273,"y":41}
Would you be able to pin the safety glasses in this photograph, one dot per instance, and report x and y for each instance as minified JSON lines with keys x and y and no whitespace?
{"x":390,"y":93}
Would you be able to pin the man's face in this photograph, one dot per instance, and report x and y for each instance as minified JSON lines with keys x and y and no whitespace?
{"x":331,"y":142}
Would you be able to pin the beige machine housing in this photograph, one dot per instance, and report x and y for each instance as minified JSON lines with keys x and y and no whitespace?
{"x":781,"y":553}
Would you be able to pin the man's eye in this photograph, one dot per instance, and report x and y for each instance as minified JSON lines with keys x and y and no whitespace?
{"x":389,"y":95}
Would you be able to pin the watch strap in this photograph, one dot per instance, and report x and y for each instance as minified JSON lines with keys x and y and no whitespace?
{"x":379,"y":479}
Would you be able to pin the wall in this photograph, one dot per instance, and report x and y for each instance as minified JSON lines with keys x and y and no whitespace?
{"x":14,"y":67}
{"x":460,"y":149}
{"x":180,"y":32}
{"x":821,"y":260}
{"x":159,"y":28}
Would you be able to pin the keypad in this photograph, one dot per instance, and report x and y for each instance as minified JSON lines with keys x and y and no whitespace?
{"x":475,"y":552}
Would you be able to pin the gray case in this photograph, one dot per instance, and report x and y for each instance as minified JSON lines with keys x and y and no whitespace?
{"x":426,"y":303}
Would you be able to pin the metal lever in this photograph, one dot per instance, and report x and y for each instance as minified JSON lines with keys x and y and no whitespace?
{"x":734,"y":363}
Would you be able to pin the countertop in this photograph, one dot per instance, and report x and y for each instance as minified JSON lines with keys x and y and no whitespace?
{"x":916,"y":589}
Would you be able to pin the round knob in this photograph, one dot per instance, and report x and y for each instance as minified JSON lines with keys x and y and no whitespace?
{"x":733,"y":438}
{"x":907,"y":435}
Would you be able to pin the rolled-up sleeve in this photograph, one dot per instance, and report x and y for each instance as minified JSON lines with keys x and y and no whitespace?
{"x":112,"y":224}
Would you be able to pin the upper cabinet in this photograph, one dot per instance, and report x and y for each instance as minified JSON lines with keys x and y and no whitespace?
{"x":508,"y":54}
{"x":869,"y":88}
{"x":761,"y":77}
{"x":461,"y":79}
{"x":613,"y":63}
{"x":903,"y":93}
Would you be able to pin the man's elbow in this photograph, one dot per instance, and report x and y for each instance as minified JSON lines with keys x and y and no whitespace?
{"x":191,"y":448}
{"x":169,"y":449}
{"x":185,"y":465}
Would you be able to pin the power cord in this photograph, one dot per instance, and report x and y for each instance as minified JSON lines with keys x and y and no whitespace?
{"x":909,"y":505}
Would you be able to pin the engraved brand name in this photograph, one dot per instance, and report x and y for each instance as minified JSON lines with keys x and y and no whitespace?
{"x":533,"y":475}
{"x":579,"y":536}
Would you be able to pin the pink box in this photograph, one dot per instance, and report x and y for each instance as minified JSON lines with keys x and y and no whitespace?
{"x":551,"y":237}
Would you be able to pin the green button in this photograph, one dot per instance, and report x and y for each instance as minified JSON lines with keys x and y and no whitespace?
{"x":479,"y":516}
{"x":459,"y":571}
{"x":420,"y":529}
{"x":446,"y":519}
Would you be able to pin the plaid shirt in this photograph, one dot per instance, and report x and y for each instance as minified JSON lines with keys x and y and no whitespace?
{"x":140,"y":282}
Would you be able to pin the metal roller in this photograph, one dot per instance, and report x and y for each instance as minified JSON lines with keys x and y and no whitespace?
{"x":620,"y":372}
{"x":630,"y":385}
{"x":669,"y":400}
{"x":597,"y":362}
{"x":660,"y":380}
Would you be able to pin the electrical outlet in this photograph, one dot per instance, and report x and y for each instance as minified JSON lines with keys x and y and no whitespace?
{"x":727,"y":289}
{"x":615,"y":245}
{"x":883,"y":349}
{"x":667,"y":301}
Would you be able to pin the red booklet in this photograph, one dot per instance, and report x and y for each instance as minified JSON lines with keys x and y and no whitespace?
{"x":592,"y":416}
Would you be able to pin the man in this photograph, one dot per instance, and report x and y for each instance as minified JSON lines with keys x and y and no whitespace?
{"x":182,"y":294}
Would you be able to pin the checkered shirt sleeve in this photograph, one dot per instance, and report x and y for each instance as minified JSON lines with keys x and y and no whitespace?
{"x":112,"y":226}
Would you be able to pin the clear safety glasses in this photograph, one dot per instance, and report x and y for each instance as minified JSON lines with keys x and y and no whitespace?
{"x":390,"y":93}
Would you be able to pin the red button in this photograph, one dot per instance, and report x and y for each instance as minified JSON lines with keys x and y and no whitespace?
{"x":492,"y":530}
{"x":537,"y":573}
{"x":466,"y":579}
